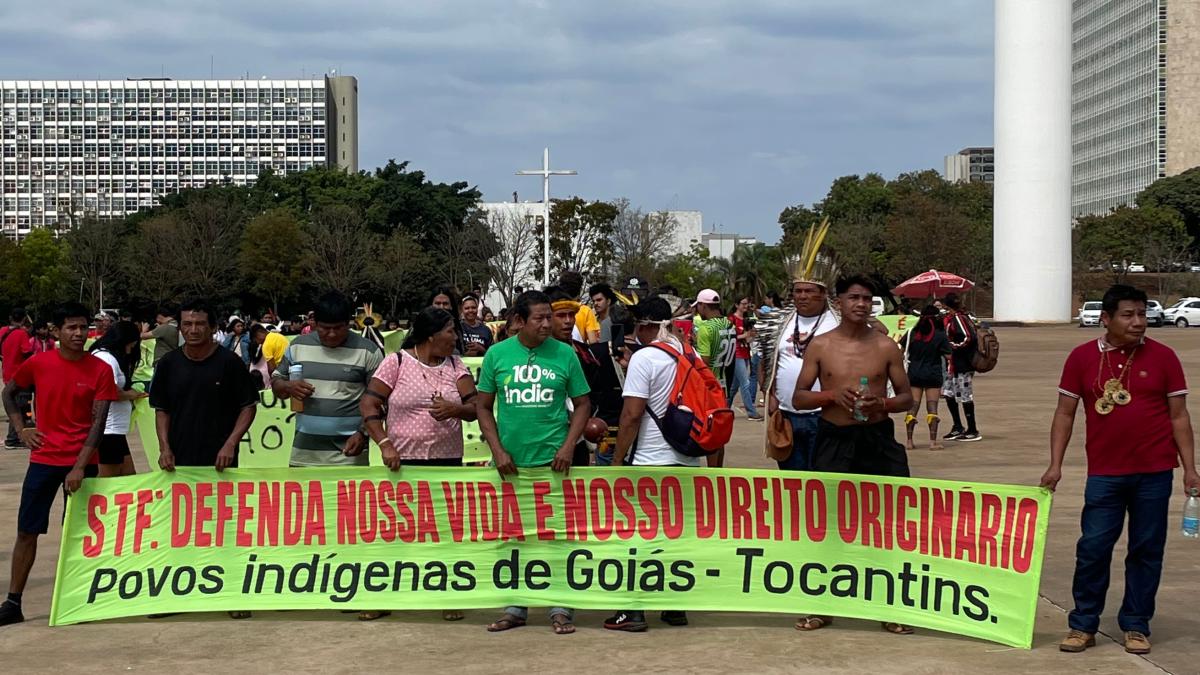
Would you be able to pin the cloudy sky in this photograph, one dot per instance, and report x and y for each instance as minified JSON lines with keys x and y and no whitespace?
{"x":737,"y":109}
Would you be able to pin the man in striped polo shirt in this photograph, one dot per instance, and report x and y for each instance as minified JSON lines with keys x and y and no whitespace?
{"x":337,"y":366}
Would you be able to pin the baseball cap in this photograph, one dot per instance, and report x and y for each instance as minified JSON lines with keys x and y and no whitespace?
{"x":707,"y":297}
{"x":234,"y":318}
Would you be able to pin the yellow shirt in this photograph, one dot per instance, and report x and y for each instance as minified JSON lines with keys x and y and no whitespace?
{"x":274,"y":347}
{"x":586,"y":323}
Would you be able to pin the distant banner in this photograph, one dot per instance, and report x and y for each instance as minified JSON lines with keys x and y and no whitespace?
{"x":897,"y":324}
{"x":962,"y":558}
{"x":268,"y":443}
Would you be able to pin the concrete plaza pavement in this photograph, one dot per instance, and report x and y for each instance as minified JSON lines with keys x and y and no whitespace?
{"x":1015,"y":407}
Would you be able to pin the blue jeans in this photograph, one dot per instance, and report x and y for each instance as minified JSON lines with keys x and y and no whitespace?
{"x":1146,"y":496}
{"x":741,"y":382}
{"x":804,"y":441}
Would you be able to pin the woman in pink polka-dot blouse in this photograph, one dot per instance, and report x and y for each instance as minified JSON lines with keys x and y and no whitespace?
{"x":428,"y":392}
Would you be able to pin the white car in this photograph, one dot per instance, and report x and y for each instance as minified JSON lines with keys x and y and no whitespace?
{"x":1137,"y":267}
{"x":1154,"y":313}
{"x":876,"y":305}
{"x":1089,"y":314}
{"x":1184,"y":313}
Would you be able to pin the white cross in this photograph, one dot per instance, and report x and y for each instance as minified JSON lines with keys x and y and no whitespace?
{"x":545,"y":173}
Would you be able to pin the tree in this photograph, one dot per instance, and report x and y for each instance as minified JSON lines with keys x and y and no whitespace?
{"x":639,"y":240}
{"x":755,"y":270}
{"x":45,"y":265}
{"x":146,"y":273}
{"x":400,"y":271}
{"x":464,"y":250}
{"x":273,"y":256}
{"x":692,"y":272}
{"x":1129,"y":234}
{"x":1181,"y":194}
{"x":342,"y":248}
{"x":94,"y":247}
{"x":579,"y":236}
{"x":512,"y":265}
{"x":197,"y":243}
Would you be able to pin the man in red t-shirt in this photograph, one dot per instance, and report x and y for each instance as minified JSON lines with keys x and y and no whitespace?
{"x":1138,"y":430}
{"x":74,"y":390}
{"x":13,"y":340}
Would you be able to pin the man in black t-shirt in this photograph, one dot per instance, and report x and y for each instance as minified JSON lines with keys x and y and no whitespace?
{"x":203,"y":397}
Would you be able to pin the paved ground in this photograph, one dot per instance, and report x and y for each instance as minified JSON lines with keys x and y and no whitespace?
{"x":1015,"y":407}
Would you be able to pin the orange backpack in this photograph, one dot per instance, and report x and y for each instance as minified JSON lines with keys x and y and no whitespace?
{"x":698,"y":421}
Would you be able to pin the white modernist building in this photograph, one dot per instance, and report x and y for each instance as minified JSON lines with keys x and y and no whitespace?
{"x":106,"y":148}
{"x":1032,"y":212}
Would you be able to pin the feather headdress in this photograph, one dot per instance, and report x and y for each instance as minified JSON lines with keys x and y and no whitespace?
{"x":812,"y":266}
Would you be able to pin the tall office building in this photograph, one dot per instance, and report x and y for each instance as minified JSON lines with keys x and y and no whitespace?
{"x":1136,"y":66}
{"x":971,"y":165}
{"x":106,"y":148}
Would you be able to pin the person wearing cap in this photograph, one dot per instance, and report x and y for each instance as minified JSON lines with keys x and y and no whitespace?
{"x":237,"y":340}
{"x":103,"y":321}
{"x":714,"y":343}
{"x":648,"y":384}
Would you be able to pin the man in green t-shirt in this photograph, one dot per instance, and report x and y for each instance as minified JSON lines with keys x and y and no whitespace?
{"x":715,"y":341}
{"x":530,"y":378}
{"x":714,"y":333}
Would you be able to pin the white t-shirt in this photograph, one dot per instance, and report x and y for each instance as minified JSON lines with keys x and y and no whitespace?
{"x":650,"y":376}
{"x":788,"y":371}
{"x":119,"y":412}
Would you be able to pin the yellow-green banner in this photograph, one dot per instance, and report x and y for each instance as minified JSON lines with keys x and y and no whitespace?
{"x":959,"y":557}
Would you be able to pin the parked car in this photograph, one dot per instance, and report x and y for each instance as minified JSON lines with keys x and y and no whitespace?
{"x":1184,"y":313}
{"x":1089,"y":314}
{"x":876,"y":306}
{"x":1193,"y":267}
{"x":1154,"y":313}
{"x":1137,"y":267}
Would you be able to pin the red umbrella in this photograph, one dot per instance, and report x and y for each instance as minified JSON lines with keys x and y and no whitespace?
{"x":932,"y":283}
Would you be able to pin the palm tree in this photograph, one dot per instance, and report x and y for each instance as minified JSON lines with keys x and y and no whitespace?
{"x":755,"y":270}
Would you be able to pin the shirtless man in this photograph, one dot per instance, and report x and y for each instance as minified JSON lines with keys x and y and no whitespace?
{"x":846,"y":443}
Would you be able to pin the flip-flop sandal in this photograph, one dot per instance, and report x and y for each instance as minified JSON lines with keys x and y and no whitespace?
{"x":239,"y":615}
{"x":896,"y":628}
{"x":506,"y":622}
{"x":452,"y":615}
{"x":811,"y":623}
{"x":562,"y":625}
{"x":371,"y":615}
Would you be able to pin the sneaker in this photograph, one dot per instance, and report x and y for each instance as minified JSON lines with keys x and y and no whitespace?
{"x":1136,"y":642}
{"x":14,"y":446}
{"x":754,"y":418}
{"x":630,"y":622}
{"x":1077,"y":641}
{"x":10,"y":612}
{"x":953,"y":435}
{"x":970,"y":437}
{"x":674,"y":618}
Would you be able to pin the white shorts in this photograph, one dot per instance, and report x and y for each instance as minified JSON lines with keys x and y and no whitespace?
{"x":960,"y":387}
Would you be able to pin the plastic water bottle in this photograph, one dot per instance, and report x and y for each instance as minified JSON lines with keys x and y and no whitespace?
{"x":1191,"y":515}
{"x":864,"y":389}
{"x":295,"y":374}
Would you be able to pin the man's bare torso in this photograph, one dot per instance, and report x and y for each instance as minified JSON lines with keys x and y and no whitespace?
{"x":843,"y":359}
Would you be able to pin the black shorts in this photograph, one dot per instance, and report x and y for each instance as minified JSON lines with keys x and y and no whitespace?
{"x":869,"y":449}
{"x":437,"y":461}
{"x":114,"y":448}
{"x":42,"y":483}
{"x":923,"y":383}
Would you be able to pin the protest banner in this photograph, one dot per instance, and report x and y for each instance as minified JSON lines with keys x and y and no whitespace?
{"x":958,"y":557}
{"x":268,"y":443}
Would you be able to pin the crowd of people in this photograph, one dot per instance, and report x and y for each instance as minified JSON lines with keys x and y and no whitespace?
{"x":571,"y":379}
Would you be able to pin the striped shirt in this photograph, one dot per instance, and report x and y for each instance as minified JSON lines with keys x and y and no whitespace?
{"x":339,"y":377}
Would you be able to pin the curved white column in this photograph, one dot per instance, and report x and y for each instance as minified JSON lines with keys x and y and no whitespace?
{"x":1032,"y":216}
